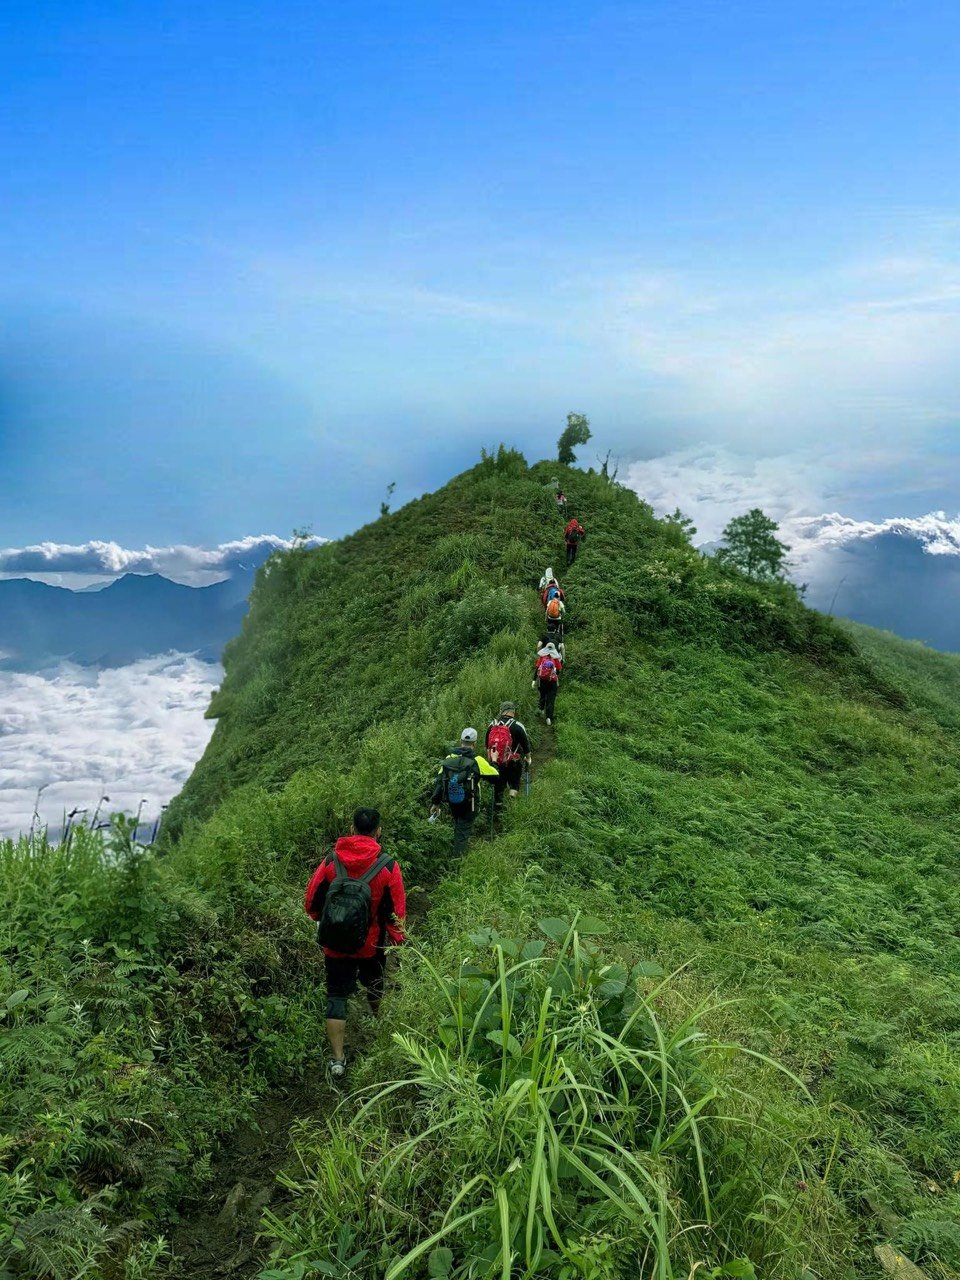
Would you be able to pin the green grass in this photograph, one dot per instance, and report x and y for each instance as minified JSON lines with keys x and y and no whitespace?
{"x":931,"y":679}
{"x":746,"y":796}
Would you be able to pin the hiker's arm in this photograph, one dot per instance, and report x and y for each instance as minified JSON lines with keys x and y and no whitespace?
{"x":436,"y":795}
{"x":316,"y":894}
{"x":396,"y":899}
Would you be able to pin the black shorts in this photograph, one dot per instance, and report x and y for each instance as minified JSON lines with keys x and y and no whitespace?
{"x":345,"y":972}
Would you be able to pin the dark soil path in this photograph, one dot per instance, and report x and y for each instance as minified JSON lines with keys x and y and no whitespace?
{"x":217,"y":1232}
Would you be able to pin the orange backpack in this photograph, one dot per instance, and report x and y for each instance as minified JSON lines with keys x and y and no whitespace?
{"x":553,"y":608}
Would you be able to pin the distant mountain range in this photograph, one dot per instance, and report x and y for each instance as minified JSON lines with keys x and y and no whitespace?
{"x":893,"y":579}
{"x":135,"y":617}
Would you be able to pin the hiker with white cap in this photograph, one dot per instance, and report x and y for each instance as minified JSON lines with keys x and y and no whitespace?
{"x":458,"y":786}
{"x":546,"y":678}
{"x":508,"y":749}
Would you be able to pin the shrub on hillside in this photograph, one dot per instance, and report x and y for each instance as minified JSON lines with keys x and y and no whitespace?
{"x":471,"y":623}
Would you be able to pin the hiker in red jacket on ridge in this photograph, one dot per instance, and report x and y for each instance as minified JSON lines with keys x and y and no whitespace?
{"x":546,"y":678}
{"x":573,"y":534}
{"x":357,"y":895}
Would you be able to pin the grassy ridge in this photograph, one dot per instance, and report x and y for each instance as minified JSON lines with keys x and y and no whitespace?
{"x":737,"y":789}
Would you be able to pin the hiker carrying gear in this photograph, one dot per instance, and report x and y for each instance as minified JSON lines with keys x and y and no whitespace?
{"x":561,"y":648}
{"x":547,"y":678}
{"x":555,"y":610}
{"x":573,"y":535}
{"x":357,"y":895}
{"x":458,"y":786}
{"x":548,"y":577}
{"x":552,"y":591}
{"x":561,"y":502}
{"x":554,"y":629}
{"x":508,"y":748}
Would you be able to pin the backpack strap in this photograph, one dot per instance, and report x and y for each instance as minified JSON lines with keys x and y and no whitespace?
{"x":373,"y":871}
{"x":340,"y":871}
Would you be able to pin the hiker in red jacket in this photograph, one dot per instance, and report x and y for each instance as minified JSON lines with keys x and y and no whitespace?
{"x":573,"y":534}
{"x":547,"y":678}
{"x":357,"y":895}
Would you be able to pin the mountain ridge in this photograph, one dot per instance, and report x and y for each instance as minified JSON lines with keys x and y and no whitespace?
{"x":741,"y":854}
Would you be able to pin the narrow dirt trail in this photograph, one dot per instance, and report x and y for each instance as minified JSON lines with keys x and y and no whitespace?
{"x":217,"y":1232}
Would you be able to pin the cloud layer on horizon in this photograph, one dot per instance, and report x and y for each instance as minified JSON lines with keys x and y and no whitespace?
{"x":132,"y":733}
{"x":194,"y":566}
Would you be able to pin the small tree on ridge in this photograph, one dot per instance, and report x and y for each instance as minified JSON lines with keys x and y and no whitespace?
{"x":753,"y":547}
{"x":577,"y":431}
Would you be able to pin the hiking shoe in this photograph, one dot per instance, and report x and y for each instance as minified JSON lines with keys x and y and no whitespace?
{"x":338,"y":1069}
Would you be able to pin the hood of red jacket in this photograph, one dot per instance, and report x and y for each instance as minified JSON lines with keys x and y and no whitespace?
{"x":357,"y":853}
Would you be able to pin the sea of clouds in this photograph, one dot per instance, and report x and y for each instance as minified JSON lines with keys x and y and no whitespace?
{"x":132,"y":733}
{"x":76,"y":564}
{"x":713,"y":484}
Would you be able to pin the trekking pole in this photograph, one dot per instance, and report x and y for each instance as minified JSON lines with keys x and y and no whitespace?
{"x":526,"y":778}
{"x":493,"y":808}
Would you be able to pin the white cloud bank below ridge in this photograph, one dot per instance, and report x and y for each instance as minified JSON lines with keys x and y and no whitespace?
{"x":131,"y":733}
{"x":712,"y":485}
{"x":69,"y":564}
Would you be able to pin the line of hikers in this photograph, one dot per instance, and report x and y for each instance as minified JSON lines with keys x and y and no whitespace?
{"x":357,"y":894}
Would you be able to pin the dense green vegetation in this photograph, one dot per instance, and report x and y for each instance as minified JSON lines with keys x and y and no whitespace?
{"x":696,"y":1005}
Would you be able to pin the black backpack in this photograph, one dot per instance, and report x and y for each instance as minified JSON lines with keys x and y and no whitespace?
{"x":345,"y":920}
{"x":459,"y":779}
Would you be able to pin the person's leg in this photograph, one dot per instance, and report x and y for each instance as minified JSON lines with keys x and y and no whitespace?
{"x":372,"y":973}
{"x":341,"y":983}
{"x":499,"y":789}
{"x":550,"y":701}
{"x":462,"y":831}
{"x":514,"y":775}
{"x":541,"y":689}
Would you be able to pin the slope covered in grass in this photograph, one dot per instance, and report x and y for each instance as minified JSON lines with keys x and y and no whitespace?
{"x":931,"y":679}
{"x":739,"y":792}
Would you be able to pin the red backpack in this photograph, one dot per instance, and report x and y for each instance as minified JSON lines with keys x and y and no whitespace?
{"x":500,"y":744}
{"x":547,"y":670}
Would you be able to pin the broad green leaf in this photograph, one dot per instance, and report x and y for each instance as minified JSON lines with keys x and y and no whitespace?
{"x":554,"y":927}
{"x":742,"y":1268}
{"x":513,"y":1044}
{"x":17,"y":997}
{"x":441,"y":1260}
{"x":533,"y":949}
{"x":590,"y":924}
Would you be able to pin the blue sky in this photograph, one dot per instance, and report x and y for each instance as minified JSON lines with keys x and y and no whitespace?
{"x":256,"y":261}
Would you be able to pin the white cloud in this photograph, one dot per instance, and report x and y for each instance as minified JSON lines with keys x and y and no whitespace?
{"x":814,"y":539}
{"x":65,"y":563}
{"x":131,"y":733}
{"x":852,"y":351}
{"x":712,"y":485}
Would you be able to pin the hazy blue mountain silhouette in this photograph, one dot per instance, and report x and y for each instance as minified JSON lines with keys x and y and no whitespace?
{"x":890,"y":581}
{"x":135,"y":617}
